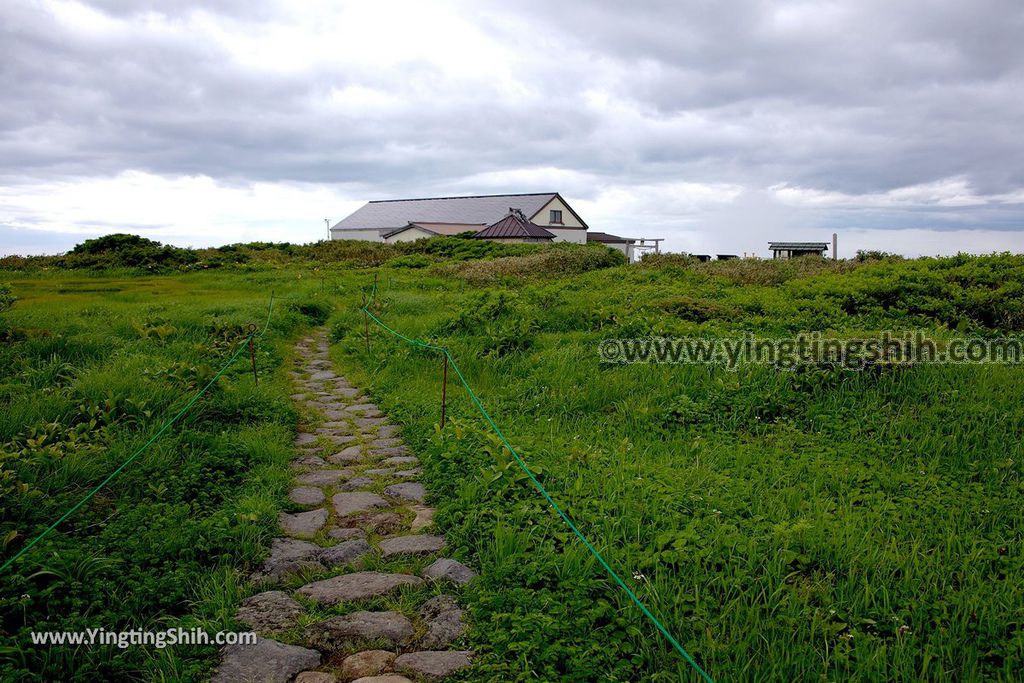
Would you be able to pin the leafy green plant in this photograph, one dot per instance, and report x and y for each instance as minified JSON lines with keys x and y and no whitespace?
{"x":6,"y":298}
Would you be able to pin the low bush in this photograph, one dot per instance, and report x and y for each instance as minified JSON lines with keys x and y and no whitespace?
{"x":6,"y":298}
{"x":555,"y":261}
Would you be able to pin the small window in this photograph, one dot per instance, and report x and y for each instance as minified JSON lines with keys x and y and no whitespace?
{"x":556,"y":216}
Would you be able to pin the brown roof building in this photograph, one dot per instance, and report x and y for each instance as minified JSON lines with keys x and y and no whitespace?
{"x":515,"y":227}
{"x":377,"y":219}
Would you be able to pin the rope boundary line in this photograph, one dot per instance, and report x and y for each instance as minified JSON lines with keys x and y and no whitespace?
{"x":146,"y":445}
{"x":540,"y":487}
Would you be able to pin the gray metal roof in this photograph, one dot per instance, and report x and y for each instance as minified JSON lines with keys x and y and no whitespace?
{"x":438,"y":228}
{"x":798,"y":245}
{"x":607,"y":238}
{"x":396,"y":213}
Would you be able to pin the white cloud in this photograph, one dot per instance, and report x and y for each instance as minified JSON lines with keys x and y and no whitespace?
{"x":216,"y":120}
{"x":185,"y":210}
{"x":948,"y":192}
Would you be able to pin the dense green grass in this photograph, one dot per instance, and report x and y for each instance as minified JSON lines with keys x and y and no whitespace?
{"x":819,"y":524}
{"x":89,"y":368}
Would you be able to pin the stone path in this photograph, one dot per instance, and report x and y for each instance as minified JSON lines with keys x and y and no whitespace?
{"x":357,"y":513}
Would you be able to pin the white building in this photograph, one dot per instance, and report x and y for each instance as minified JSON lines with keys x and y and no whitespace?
{"x":394,"y":220}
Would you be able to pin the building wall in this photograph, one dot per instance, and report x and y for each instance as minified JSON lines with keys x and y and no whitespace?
{"x":568,"y":220}
{"x":410,"y":235}
{"x":364,"y":235}
{"x":574,"y":235}
{"x":626,"y":248}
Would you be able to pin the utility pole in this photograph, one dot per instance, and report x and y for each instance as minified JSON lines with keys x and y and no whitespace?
{"x":328,"y":222}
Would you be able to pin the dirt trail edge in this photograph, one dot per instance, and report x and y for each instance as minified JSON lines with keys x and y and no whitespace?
{"x":357,"y":504}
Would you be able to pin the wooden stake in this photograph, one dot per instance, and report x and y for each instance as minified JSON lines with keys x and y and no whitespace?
{"x":444,"y":391}
{"x":366,"y":326}
{"x":252,"y":352}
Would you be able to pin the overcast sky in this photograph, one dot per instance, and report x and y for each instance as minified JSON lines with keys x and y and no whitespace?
{"x":716,"y":125}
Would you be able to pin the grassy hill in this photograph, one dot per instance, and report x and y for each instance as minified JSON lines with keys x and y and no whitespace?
{"x":817,"y":523}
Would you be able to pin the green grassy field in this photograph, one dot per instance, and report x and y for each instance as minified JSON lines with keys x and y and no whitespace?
{"x":817,"y":524}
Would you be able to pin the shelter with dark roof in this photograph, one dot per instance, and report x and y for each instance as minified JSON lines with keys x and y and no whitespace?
{"x":784,"y":250}
{"x":390,"y":220}
{"x":627,"y":245}
{"x":515,"y":227}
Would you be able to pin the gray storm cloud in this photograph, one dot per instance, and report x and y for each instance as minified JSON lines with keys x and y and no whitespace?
{"x":715,"y":124}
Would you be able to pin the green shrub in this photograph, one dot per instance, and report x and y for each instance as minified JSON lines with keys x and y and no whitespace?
{"x":696,"y":310}
{"x":315,"y":312}
{"x":6,"y":298}
{"x":127,"y":251}
{"x":553,"y":261}
{"x":410,"y":261}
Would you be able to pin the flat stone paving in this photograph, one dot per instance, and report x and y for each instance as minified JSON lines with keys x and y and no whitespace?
{"x":354,"y":497}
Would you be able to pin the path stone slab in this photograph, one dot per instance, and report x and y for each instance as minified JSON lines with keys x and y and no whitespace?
{"x":369,"y":423}
{"x":359,"y":627}
{"x":289,"y":555}
{"x":432,"y":664}
{"x":382,"y":523}
{"x":416,"y":544}
{"x":388,"y":451}
{"x":308,"y":462}
{"x":408,"y":474}
{"x":322,"y":375}
{"x":346,"y":534}
{"x":350,"y":454}
{"x":386,"y":678}
{"x":266,"y":661}
{"x":268,"y":612}
{"x":367,"y":663}
{"x":303,"y":524}
{"x":389,"y":442}
{"x":410,"y":491}
{"x":378,"y":471}
{"x":356,"y":483}
{"x":443,"y":620}
{"x":334,"y":431}
{"x":357,"y":501}
{"x":345,"y":552}
{"x":306,"y":495}
{"x":401,"y":460}
{"x":445,"y":569}
{"x":323,"y":477}
{"x":305,"y":439}
{"x":424,"y":517}
{"x":316,"y":677}
{"x":357,"y":586}
{"x":388,"y":431}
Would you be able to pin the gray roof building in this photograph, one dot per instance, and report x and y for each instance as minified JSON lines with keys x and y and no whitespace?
{"x":388,"y":215}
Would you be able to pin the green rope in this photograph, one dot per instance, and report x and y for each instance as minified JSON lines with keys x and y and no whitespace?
{"x":138,"y":452}
{"x":540,"y":487}
{"x":270,"y":311}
